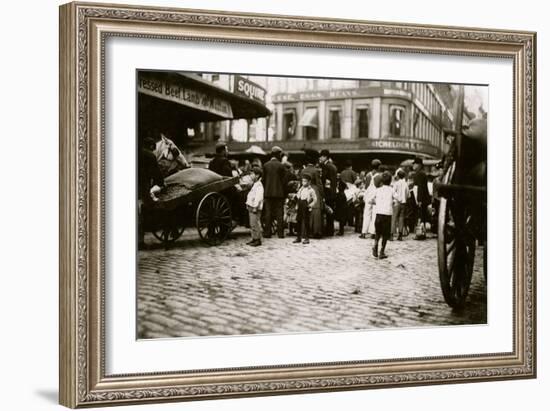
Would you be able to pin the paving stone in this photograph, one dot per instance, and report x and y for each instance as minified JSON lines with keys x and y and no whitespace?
{"x":331,"y":284}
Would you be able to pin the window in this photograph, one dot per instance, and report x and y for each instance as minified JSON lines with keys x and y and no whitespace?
{"x":416,"y":118}
{"x":311,"y":133}
{"x":252,"y":127}
{"x":396,"y":120}
{"x":310,"y":123}
{"x":334,"y":123}
{"x":363,"y":122}
{"x":289,"y":124}
{"x":217,"y":130}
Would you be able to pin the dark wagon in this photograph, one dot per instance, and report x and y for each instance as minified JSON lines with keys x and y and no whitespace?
{"x":206,"y":207}
{"x":463,"y":208}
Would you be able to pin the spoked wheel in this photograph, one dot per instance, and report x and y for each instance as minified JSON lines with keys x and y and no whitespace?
{"x":213,"y":219}
{"x":485,"y":259}
{"x":168,"y":235}
{"x":456,"y":251}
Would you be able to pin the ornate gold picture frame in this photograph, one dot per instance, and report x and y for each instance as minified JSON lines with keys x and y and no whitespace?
{"x":84,"y":30}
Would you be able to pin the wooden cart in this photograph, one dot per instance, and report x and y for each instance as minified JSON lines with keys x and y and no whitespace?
{"x":207,"y":208}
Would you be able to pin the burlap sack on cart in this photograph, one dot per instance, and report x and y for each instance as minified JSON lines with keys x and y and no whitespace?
{"x":185,"y":181}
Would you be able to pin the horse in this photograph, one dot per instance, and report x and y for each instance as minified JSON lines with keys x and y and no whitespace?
{"x":169,"y":157}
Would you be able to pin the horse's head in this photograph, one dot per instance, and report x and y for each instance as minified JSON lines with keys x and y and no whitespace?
{"x":163,"y":148}
{"x":169,"y":156}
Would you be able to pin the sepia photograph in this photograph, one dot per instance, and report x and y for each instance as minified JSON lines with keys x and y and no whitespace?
{"x":277,"y":204}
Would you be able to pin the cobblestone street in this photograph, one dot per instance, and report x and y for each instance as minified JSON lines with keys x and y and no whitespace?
{"x":280,"y":287}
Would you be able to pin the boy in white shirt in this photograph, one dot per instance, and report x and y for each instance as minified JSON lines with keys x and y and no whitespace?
{"x":383,"y":207}
{"x":254,"y":205}
{"x":401,"y":192}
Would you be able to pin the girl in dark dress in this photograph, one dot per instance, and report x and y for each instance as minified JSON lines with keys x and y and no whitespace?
{"x":341,"y":212}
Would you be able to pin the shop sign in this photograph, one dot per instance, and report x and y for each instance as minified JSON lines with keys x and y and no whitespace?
{"x":183,"y":94}
{"x":408,"y":145}
{"x":327,"y":94}
{"x":246,"y":88}
{"x":384,"y":145}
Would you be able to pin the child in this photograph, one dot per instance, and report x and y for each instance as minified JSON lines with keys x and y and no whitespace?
{"x":401,"y":194}
{"x":383,"y":207}
{"x":307,"y":199}
{"x":341,"y":214}
{"x":359,"y":204}
{"x":369,"y":212}
{"x":291,"y":211}
{"x":254,"y":205}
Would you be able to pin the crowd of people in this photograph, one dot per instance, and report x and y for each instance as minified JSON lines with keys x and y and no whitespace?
{"x":307,"y":202}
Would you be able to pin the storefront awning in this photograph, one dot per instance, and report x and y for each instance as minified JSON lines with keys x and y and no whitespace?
{"x":255,"y":150}
{"x":197,"y":99}
{"x":310,"y":118}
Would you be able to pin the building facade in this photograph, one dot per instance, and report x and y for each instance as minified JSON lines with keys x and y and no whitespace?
{"x":356,"y":120}
{"x":362,"y":118}
{"x":240,"y":130}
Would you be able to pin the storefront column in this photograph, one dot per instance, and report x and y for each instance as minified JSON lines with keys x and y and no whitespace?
{"x":375,"y":118}
{"x":300,"y":135}
{"x":347,"y":115}
{"x":322,"y":120}
{"x":279,"y":134}
{"x":229,"y":131}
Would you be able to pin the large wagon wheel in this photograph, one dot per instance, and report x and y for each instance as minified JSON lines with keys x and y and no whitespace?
{"x":168,"y":235}
{"x":213,"y":218}
{"x":456,"y":250}
{"x":485,"y":259}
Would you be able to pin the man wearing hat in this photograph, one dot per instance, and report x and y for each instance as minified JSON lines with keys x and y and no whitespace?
{"x":220,"y":164}
{"x":149,"y":175}
{"x":375,"y":168}
{"x":329,"y":177}
{"x":422,"y":194}
{"x":316,"y":217}
{"x":348,"y":175}
{"x":274,"y":177}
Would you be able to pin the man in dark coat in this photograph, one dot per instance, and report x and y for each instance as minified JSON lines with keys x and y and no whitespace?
{"x":149,"y":175}
{"x":348,"y":175}
{"x":314,"y":172}
{"x":329,"y":176}
{"x":220,"y":164}
{"x":274,"y":179}
{"x":422,"y":194}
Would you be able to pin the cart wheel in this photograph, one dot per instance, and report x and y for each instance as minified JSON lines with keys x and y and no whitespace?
{"x":485,"y":260}
{"x":213,"y":219}
{"x":456,"y":251}
{"x":168,"y":235}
